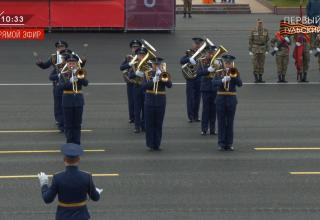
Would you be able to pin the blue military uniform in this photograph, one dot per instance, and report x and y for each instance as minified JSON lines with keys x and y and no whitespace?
{"x":193,"y":94}
{"x":128,"y":70}
{"x":208,"y":93}
{"x":72,"y":102}
{"x":72,"y":187}
{"x":57,"y":97}
{"x":155,"y":105}
{"x":138,"y":97}
{"x":226,"y":103}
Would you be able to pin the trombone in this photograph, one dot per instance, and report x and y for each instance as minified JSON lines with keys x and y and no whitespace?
{"x":163,"y":77}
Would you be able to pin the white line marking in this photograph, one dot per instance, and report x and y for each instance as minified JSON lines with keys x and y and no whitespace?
{"x":11,"y":24}
{"x":34,"y":131}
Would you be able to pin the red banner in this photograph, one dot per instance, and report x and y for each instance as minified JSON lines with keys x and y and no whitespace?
{"x":24,"y":13}
{"x":84,"y":13}
{"x":150,"y":14}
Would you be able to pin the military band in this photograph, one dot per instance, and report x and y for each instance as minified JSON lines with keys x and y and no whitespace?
{"x":55,"y":60}
{"x":226,"y":80}
{"x":72,"y":187}
{"x":71,"y":81}
{"x":127,"y":69}
{"x":155,"y":84}
{"x":193,"y":82}
{"x":208,"y":93}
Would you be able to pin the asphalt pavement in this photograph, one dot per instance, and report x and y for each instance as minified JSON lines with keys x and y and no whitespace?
{"x":276,"y":132}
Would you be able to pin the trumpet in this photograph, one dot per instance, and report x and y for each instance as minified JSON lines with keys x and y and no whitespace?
{"x":233,"y":73}
{"x":163,"y":77}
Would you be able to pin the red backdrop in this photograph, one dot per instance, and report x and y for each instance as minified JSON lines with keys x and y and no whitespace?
{"x":84,"y":13}
{"x":35,"y":13}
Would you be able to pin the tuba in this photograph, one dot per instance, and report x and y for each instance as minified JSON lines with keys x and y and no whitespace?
{"x":189,"y":71}
{"x":143,"y":65}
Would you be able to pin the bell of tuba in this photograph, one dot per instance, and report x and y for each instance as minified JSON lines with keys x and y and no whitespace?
{"x":218,"y":53}
{"x":189,"y":71}
{"x":143,"y":65}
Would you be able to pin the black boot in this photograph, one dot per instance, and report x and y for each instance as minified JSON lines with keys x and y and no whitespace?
{"x":190,"y":15}
{"x":284,"y":78}
{"x":279,"y":78}
{"x":299,"y":77}
{"x":260,"y":79}
{"x":304,"y":78}
{"x":256,"y":80}
{"x":184,"y":15}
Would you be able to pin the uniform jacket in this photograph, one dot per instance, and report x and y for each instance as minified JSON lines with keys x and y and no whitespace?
{"x":259,"y":41}
{"x":72,"y":100}
{"x":71,"y":186}
{"x":153,"y":99}
{"x":127,"y":70}
{"x":233,"y":84}
{"x":206,"y":79}
{"x":283,"y":46}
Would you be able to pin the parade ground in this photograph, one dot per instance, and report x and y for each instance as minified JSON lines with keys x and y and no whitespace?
{"x":273,"y":173}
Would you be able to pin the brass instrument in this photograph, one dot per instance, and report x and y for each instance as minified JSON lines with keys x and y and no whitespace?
{"x":163,"y":77}
{"x":143,"y":65}
{"x":233,"y":73}
{"x":189,"y":71}
{"x":218,"y":53}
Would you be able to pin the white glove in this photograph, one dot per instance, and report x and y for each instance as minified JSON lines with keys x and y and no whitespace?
{"x":267,"y":52}
{"x":192,"y":61}
{"x":226,"y":79}
{"x":155,"y":79}
{"x":43,"y":179}
{"x":310,"y":51}
{"x":298,"y":44}
{"x":99,"y":190}
{"x":211,"y":69}
{"x":250,"y":53}
{"x":73,"y":79}
{"x":130,"y":64}
{"x":275,"y":48}
{"x":139,"y":73}
{"x":158,"y":72}
{"x":287,"y":39}
{"x":318,"y":49}
{"x":59,"y":75}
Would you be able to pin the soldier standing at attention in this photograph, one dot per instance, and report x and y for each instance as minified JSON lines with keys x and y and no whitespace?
{"x":187,"y":5}
{"x":258,"y":49}
{"x":280,"y":45}
{"x":301,"y":55}
{"x":72,"y":187}
{"x":317,"y":48}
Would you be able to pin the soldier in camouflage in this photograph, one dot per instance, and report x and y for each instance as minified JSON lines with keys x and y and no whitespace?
{"x":258,"y":48}
{"x":280,"y":45}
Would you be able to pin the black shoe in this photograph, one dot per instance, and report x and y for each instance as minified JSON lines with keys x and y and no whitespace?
{"x":279,"y":79}
{"x":131,"y":121}
{"x":184,"y":16}
{"x":190,"y":16}
{"x":203,"y":133}
{"x":260,"y":79}
{"x":190,"y":121}
{"x":229,"y":148}
{"x":136,"y":130}
{"x":256,"y":80}
{"x":213,"y":133}
{"x":304,"y":78}
{"x":284,"y":79}
{"x":221,"y":148}
{"x":197,"y":120}
{"x":143,"y":130}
